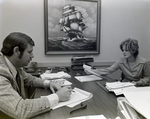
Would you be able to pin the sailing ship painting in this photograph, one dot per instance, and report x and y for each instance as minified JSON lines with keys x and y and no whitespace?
{"x":72,"y":25}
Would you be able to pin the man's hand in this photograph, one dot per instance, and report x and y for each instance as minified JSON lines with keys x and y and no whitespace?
{"x":64,"y":93}
{"x":54,"y":86}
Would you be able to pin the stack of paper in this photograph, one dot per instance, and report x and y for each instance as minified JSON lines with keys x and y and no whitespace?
{"x":118,"y":87}
{"x":90,"y":117}
{"x":60,"y":74}
{"x":88,"y":78}
{"x":118,"y":84}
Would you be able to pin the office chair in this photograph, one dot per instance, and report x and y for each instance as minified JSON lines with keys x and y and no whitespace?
{"x":122,"y":77}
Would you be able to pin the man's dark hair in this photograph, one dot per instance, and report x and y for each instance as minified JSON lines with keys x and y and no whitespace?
{"x":16,"y":39}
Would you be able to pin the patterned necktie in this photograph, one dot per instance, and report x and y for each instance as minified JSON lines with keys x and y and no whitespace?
{"x":18,"y":80}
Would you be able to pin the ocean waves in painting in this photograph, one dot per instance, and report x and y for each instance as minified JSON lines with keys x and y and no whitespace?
{"x":64,"y":44}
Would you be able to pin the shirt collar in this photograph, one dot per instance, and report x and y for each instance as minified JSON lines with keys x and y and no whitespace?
{"x":139,"y":60}
{"x":11,"y":67}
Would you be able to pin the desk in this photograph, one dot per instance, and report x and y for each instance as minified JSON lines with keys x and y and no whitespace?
{"x":102,"y":102}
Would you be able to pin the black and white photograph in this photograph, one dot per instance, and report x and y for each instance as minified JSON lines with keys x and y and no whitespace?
{"x":74,"y":59}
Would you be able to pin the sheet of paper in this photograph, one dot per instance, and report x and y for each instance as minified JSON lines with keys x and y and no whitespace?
{"x":88,"y":68}
{"x":140,"y":100}
{"x":88,"y":78}
{"x":89,"y":117}
{"x":137,"y":89}
{"x":77,"y":96}
{"x":120,"y":91}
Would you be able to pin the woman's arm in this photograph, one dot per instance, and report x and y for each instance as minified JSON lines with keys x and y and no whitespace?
{"x":145,"y":80}
{"x":108,"y":70}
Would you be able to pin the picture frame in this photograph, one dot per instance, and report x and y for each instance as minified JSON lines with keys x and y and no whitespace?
{"x":72,"y":26}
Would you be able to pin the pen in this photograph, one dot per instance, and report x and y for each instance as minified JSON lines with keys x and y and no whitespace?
{"x":82,"y":106}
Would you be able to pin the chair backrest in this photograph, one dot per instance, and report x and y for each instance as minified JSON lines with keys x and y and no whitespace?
{"x":122,"y":76}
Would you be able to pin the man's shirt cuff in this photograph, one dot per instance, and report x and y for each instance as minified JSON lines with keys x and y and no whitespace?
{"x":46,"y":83}
{"x":53,"y":99}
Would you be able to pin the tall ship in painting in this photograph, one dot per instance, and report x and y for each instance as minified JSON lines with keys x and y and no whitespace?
{"x":71,"y":23}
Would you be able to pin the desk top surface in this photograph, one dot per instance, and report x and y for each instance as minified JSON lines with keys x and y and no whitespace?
{"x":102,"y":102}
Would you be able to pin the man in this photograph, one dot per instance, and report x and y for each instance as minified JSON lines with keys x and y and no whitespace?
{"x":17,"y":52}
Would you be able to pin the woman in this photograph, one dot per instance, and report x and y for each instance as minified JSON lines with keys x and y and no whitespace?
{"x":134,"y":68}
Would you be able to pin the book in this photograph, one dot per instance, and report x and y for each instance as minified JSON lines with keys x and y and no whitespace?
{"x":81,"y":59}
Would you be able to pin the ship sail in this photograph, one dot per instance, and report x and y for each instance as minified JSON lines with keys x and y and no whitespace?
{"x":71,"y":22}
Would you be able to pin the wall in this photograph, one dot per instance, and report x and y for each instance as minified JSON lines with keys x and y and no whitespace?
{"x":120,"y":19}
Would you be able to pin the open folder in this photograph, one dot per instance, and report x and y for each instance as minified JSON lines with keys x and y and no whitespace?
{"x":77,"y":96}
{"x":135,"y":104}
{"x":126,"y":110}
{"x":139,"y":99}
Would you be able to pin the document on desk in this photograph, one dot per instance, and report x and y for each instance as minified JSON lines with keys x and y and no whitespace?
{"x":118,"y":84}
{"x":88,"y":78}
{"x":60,"y":74}
{"x":89,"y":117}
{"x":118,"y":87}
{"x":77,"y":96}
{"x":62,"y":82}
{"x":120,"y":91}
{"x":139,"y":99}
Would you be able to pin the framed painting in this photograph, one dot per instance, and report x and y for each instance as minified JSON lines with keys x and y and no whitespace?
{"x":72,"y":26}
